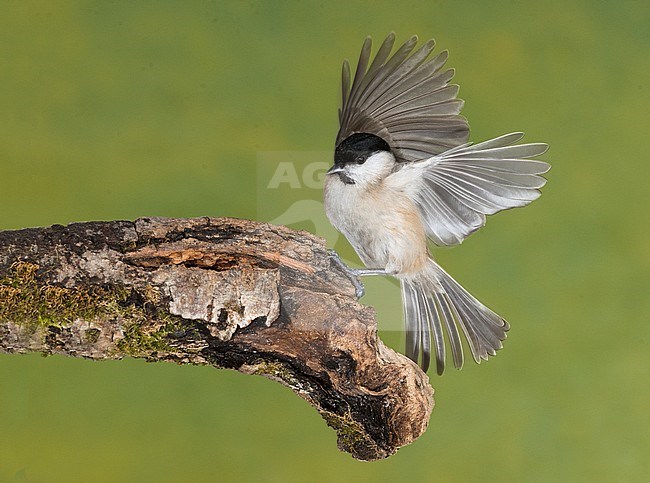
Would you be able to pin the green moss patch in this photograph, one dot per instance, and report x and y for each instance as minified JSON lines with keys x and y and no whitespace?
{"x":25,"y":301}
{"x":32,"y":304}
{"x":351,"y":435}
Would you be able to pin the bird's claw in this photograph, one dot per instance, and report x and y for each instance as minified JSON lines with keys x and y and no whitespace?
{"x":351,"y":273}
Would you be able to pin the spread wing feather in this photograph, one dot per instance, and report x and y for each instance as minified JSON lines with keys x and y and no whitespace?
{"x":463,"y":185}
{"x":404,"y":98}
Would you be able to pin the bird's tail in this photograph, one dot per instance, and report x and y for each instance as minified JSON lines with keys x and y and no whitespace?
{"x":434,"y":302}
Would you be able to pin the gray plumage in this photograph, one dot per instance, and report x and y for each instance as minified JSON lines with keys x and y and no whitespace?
{"x":408,"y":102}
{"x":405,"y":100}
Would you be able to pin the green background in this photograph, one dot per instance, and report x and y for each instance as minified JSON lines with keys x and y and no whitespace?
{"x":114,"y":110}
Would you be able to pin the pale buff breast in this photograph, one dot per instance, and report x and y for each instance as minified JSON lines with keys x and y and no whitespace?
{"x":383,"y":226}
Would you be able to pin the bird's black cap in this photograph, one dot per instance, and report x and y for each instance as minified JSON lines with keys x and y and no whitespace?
{"x":358,"y":147}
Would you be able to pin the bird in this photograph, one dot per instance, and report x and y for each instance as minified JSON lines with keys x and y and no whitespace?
{"x":405,"y":174}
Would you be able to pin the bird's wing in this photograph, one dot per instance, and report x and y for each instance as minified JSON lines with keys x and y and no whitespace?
{"x":405,"y":99}
{"x":458,"y":188}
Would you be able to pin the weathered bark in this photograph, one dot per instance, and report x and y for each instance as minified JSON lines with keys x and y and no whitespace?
{"x":229,"y":293}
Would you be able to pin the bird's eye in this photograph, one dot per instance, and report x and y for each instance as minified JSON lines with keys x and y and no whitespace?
{"x":359,"y":159}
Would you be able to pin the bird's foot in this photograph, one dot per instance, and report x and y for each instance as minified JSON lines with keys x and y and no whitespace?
{"x":351,"y":273}
{"x":354,"y":273}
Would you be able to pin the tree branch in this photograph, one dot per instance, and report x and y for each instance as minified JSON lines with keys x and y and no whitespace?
{"x":229,"y":293}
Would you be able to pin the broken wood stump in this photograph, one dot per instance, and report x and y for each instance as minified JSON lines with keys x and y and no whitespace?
{"x":235,"y":294}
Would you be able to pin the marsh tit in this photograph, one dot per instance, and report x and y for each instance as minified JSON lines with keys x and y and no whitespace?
{"x":403,"y":173}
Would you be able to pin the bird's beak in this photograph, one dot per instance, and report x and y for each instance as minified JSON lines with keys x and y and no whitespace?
{"x":335,"y":169}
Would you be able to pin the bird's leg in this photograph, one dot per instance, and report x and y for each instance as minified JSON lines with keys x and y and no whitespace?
{"x":354,"y":273}
{"x":362,"y":272}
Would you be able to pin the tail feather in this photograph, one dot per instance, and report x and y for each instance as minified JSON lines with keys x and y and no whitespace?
{"x":412,"y":319}
{"x":433,"y":300}
{"x":449,"y":312}
{"x":427,"y":328}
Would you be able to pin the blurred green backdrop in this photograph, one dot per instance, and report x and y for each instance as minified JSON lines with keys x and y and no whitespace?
{"x":114,"y":110}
